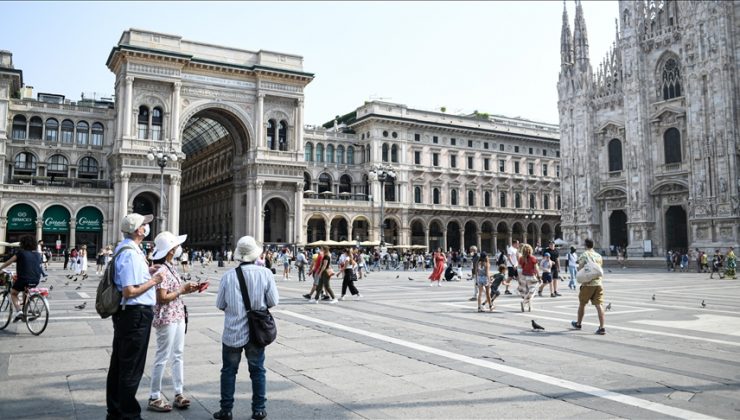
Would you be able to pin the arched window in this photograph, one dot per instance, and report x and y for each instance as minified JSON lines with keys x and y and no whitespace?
{"x":385,"y":152}
{"x":394,"y":154}
{"x":309,"y":152}
{"x":330,"y":153}
{"x":25,"y":163}
{"x":558,"y":202}
{"x":36,"y":128}
{"x":157,"y":124}
{"x":319,"y":153}
{"x":671,"y":80}
{"x":57,"y":166}
{"x":143,"y":122}
{"x":453,"y":197}
{"x":306,"y":181}
{"x":52,"y":130}
{"x":283,"y":136}
{"x":345,"y":184}
{"x":390,"y":190}
{"x":502,"y":199}
{"x":417,"y":195}
{"x":87,"y":168}
{"x":435,"y":194}
{"x":672,"y":145}
{"x":324,"y":183}
{"x":350,"y":155}
{"x":546,"y":202}
{"x":615,"y":155}
{"x":518,"y":200}
{"x":83,"y":132}
{"x":68,"y":129}
{"x":340,"y":155}
{"x":487,"y":199}
{"x":271,"y":135}
{"x":97,"y":134}
{"x":532,"y":201}
{"x":471,"y":198}
{"x":19,"y":127}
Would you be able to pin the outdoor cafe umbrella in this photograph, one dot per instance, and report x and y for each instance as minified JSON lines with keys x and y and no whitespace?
{"x":317,"y":243}
{"x":10,"y":244}
{"x":370,"y":243}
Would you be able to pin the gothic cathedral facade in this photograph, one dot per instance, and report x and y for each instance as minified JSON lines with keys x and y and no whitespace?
{"x":649,"y":140}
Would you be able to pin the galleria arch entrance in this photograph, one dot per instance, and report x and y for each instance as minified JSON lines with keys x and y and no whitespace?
{"x":212,"y":206}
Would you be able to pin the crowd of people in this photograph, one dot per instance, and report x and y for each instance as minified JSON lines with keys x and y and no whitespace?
{"x":724,"y":265}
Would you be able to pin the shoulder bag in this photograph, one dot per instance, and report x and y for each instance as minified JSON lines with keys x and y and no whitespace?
{"x":262,"y":328}
{"x":589,"y":272}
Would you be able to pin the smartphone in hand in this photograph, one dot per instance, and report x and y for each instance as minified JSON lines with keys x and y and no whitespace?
{"x":202,"y":286}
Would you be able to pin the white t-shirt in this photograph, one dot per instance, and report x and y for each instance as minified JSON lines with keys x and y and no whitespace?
{"x":512,"y":259}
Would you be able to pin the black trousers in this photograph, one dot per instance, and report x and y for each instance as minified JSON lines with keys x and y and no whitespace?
{"x":131,"y":329}
{"x":347,"y":282}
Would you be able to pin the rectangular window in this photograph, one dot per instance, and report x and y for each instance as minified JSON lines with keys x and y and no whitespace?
{"x":51,"y":135}
{"x":544,"y":152}
{"x":557,"y":171}
{"x":544,"y":169}
{"x":501,"y":147}
{"x":156,"y":132}
{"x":435,"y":139}
{"x":530,"y":168}
{"x":417,"y":158}
{"x":486,"y":164}
{"x":470,"y":162}
{"x":470,"y":143}
{"x":435,"y":159}
{"x":453,"y":161}
{"x":453,"y":142}
{"x":531,"y":151}
{"x":417,"y":137}
{"x":516,"y":149}
{"x":502,"y":199}
{"x":557,"y":154}
{"x":516,"y":167}
{"x":501,"y":165}
{"x":485,"y":145}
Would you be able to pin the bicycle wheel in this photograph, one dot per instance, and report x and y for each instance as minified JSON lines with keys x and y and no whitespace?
{"x":6,"y":309}
{"x":37,"y":314}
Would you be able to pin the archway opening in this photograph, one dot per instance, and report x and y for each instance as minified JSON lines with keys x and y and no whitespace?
{"x":676,"y":233}
{"x":546,"y":233}
{"x":361,"y":229}
{"x":618,"y":230}
{"x":275,"y":222}
{"x":517,"y":232}
{"x":417,"y":233}
{"x":453,"y":236}
{"x":502,"y":237}
{"x":532,"y":235}
{"x":486,"y":238}
{"x":471,"y":235}
{"x":339,"y":229}
{"x":316,"y":229}
{"x":390,"y":231}
{"x":147,"y":203}
{"x":436,"y":236}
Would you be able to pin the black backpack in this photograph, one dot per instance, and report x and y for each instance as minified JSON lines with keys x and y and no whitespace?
{"x":501,"y":259}
{"x":108,"y":297}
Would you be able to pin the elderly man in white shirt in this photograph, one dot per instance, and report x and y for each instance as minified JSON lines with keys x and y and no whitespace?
{"x":263,"y":294}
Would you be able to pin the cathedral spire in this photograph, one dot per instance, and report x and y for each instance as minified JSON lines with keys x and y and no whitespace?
{"x":566,"y":42}
{"x":580,"y":37}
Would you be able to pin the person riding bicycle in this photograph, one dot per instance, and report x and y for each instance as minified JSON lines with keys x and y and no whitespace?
{"x":28,"y":268}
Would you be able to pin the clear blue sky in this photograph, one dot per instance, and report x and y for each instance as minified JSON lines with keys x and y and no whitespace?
{"x":496,"y":57}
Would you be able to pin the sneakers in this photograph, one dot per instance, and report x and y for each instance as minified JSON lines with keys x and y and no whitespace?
{"x":472,"y":299}
{"x":601,"y":331}
{"x":506,"y":292}
{"x":326,"y":297}
{"x":575,"y":325}
{"x":358,"y":296}
{"x":552,"y":294}
{"x":307,"y":296}
{"x":259,"y":415}
{"x":314,"y":300}
{"x":341,"y":297}
{"x":332,"y":301}
{"x":539,"y":293}
{"x":18,"y":316}
{"x":431,"y":284}
{"x":557,"y":294}
{"x":222,"y":415}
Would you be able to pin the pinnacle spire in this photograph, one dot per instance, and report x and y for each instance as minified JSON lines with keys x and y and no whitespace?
{"x":580,"y":37}
{"x":566,"y":41}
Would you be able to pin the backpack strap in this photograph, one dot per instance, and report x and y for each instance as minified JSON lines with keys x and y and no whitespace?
{"x":243,"y":287}
{"x":112,"y":261}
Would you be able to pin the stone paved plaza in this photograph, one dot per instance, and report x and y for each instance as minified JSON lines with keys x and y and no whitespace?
{"x":408,"y":351}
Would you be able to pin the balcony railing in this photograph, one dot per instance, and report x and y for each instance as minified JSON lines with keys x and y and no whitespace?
{"x":60,"y":181}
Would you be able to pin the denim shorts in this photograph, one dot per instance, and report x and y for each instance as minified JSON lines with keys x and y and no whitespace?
{"x":481,"y":280}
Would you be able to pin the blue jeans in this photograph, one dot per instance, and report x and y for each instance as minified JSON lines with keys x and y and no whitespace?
{"x":256,"y":361}
{"x":572,"y":272}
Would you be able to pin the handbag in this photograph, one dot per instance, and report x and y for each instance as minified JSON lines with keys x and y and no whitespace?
{"x":589,"y":272}
{"x":262,"y":328}
{"x":330,"y":271}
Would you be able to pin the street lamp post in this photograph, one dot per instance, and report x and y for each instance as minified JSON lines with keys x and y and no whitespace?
{"x":161,"y":156}
{"x":531,"y":216}
{"x":381,"y":173}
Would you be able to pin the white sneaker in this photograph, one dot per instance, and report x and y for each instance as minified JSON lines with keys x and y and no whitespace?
{"x":358,"y":297}
{"x":342,"y":297}
{"x":333,"y":301}
{"x":439,"y":284}
{"x":431,"y":284}
{"x":314,"y":301}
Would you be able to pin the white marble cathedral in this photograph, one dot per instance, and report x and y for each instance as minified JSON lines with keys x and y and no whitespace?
{"x":649,"y":138}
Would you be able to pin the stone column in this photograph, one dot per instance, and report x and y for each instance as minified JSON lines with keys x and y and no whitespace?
{"x":299,"y":130}
{"x":462,"y":240}
{"x":123,"y":203}
{"x":478,"y":244}
{"x":72,"y":233}
{"x":298,"y":211}
{"x":259,"y":120}
{"x":511,"y":237}
{"x":444,"y":240}
{"x":127,"y":111}
{"x":426,"y":238}
{"x":106,"y":232}
{"x":327,"y":227}
{"x":175,"y":133}
{"x":39,"y":227}
{"x":495,"y":243}
{"x":174,"y":204}
{"x":290,"y":229}
{"x":3,"y":226}
{"x":259,"y":212}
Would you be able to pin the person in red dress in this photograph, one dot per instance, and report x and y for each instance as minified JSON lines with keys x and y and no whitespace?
{"x":439,"y":267}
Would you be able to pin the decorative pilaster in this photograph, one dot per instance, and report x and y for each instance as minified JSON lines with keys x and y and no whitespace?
{"x":174,"y":204}
{"x":127,"y":110}
{"x":259,"y":212}
{"x":72,"y":233}
{"x":175,"y":130}
{"x":298,"y":211}
{"x":259,"y":120}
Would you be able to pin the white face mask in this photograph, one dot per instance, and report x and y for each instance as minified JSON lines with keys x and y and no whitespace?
{"x":178,"y":252}
{"x":146,"y":230}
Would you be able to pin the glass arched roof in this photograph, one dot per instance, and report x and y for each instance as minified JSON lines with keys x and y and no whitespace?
{"x":201,"y":132}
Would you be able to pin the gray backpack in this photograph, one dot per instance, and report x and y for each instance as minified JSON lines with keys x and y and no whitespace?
{"x":108,"y":297}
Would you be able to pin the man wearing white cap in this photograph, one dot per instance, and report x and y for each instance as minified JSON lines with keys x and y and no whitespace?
{"x":263,"y":294}
{"x":132,"y":323}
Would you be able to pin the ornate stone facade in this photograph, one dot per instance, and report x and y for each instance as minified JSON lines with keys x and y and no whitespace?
{"x":650,"y":139}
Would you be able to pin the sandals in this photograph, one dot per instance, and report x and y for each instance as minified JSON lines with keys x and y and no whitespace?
{"x":159,"y":405}
{"x":181,"y":402}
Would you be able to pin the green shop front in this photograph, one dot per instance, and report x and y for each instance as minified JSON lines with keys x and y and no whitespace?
{"x":89,"y":230}
{"x":55,"y":228}
{"x":21,"y":220}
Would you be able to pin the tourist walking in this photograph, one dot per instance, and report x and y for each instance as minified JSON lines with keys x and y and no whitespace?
{"x":554,"y":268}
{"x":512,"y":265}
{"x":82,"y":264}
{"x":731,"y":264}
{"x":474,"y":272}
{"x":717,"y":262}
{"x":169,"y":322}
{"x":498,"y":278}
{"x":347,"y":265}
{"x":300,"y":264}
{"x":325,"y":275}
{"x":263,"y":294}
{"x":572,"y":261}
{"x":545,"y":268}
{"x":529,"y":278}
{"x":592,"y":291}
{"x":439,"y":267}
{"x":482,"y":268}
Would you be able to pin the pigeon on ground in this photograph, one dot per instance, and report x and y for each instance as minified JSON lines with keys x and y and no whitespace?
{"x":653,"y":297}
{"x":78,"y":287}
{"x":75,"y":279}
{"x":69,"y":276}
{"x":609,"y":306}
{"x":410,"y":279}
{"x":536,"y":326}
{"x":703,"y":304}
{"x":81,"y":306}
{"x":609,"y":270}
{"x":66,"y":283}
{"x":51,"y":287}
{"x":398,"y":276}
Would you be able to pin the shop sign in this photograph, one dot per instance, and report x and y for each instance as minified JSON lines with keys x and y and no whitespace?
{"x":89,"y":219}
{"x":56,"y":219}
{"x":22,"y":217}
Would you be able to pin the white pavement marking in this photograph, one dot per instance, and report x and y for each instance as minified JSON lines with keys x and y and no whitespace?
{"x":615,"y":327}
{"x":83,"y":295}
{"x":562,"y":383}
{"x":716,"y":324}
